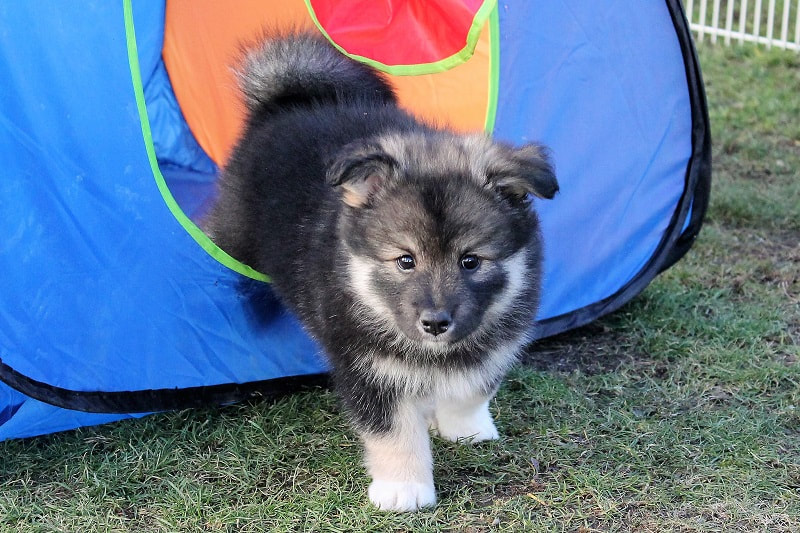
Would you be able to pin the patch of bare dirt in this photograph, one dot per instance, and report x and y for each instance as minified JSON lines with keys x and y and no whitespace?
{"x":591,"y":349}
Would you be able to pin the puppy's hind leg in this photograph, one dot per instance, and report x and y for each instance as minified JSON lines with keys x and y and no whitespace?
{"x":468,"y":420}
{"x":399,"y":461}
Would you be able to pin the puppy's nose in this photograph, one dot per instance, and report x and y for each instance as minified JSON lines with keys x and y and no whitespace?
{"x":435,"y":321}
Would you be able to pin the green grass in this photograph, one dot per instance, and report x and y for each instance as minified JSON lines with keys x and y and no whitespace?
{"x":680,"y":412}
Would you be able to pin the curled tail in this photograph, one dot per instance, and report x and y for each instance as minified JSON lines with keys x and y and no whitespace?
{"x":304,"y":68}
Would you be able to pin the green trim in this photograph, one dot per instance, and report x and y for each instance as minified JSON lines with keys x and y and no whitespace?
{"x":447,"y":63}
{"x":197,"y":234}
{"x":494,"y":71}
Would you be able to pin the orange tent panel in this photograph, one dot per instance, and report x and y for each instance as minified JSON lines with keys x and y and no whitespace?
{"x":203,"y":42}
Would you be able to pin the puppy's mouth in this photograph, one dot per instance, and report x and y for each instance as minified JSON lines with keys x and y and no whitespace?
{"x":437,"y":336}
{"x":438,"y":345}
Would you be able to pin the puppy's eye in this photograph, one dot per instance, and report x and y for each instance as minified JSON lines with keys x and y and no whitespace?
{"x":406,"y":262}
{"x":470,"y":262}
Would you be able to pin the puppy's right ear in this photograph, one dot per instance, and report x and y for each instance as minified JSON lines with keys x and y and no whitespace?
{"x":522,"y":171}
{"x":360,"y":170}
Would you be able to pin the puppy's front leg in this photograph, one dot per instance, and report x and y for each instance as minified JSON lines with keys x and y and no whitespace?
{"x":465,"y":419}
{"x":399,"y":461}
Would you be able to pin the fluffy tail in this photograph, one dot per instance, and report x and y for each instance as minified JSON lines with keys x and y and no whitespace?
{"x":304,"y":68}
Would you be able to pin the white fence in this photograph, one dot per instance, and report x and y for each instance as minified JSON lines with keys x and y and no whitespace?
{"x":769,"y":22}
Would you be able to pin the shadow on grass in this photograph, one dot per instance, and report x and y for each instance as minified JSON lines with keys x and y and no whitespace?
{"x":592,"y":349}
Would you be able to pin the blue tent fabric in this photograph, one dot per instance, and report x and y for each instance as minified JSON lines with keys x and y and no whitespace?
{"x":103,"y":288}
{"x":618,"y":119}
{"x":110,"y":308}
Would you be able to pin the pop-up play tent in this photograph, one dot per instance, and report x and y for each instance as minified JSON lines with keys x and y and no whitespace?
{"x":115,"y":117}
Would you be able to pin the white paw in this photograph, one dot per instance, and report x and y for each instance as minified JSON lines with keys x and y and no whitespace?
{"x":401,"y":495}
{"x":476,"y":427}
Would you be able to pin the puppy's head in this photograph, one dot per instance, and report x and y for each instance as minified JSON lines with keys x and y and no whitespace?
{"x":439,"y":232}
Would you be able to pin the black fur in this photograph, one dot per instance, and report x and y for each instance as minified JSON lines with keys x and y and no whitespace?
{"x":313,"y":183}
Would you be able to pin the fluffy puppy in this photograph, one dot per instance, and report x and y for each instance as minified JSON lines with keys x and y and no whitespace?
{"x":410,"y":253}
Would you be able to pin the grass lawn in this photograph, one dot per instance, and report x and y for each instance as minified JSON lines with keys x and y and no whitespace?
{"x":680,"y":412}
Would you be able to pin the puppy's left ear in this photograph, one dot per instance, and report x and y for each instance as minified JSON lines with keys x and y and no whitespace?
{"x":360,"y":170}
{"x":525,"y":170}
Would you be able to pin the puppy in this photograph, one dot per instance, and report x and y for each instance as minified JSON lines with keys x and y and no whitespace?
{"x":410,"y":253}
